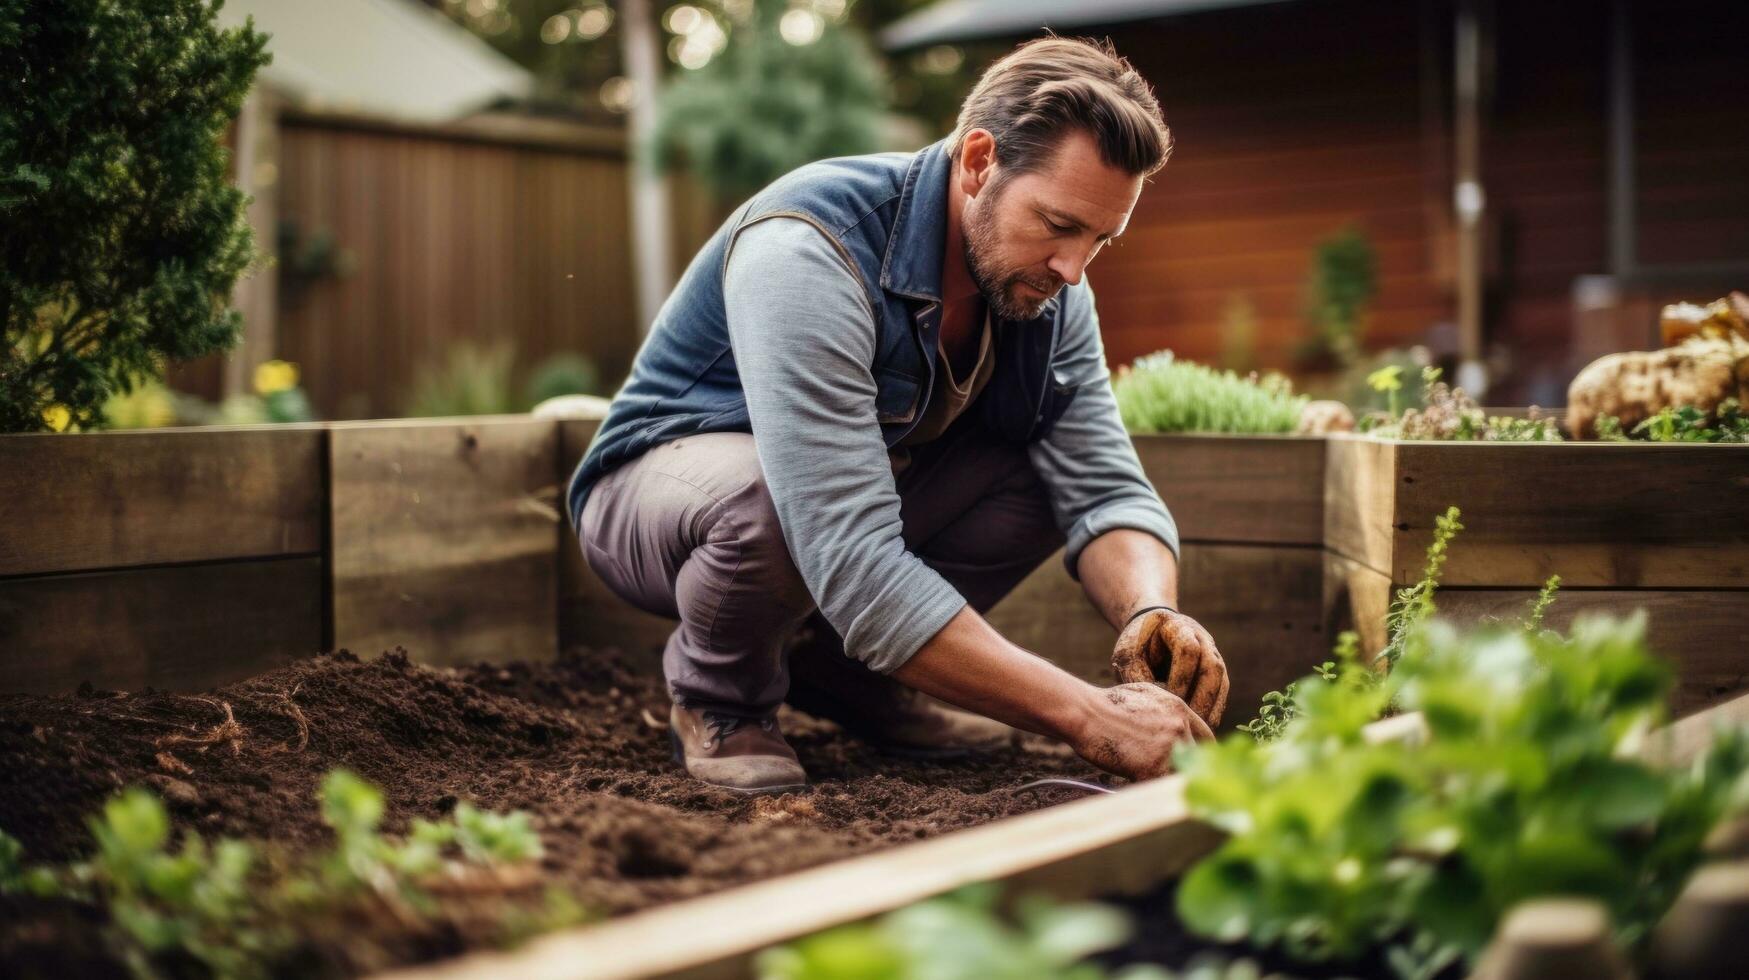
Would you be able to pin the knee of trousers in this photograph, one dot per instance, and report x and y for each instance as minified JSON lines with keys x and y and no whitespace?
{"x":749,"y":526}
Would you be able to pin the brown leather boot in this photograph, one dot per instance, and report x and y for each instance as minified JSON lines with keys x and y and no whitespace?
{"x":740,"y":754}
{"x":886,"y":713}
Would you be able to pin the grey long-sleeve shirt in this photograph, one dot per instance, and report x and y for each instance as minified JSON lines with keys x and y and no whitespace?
{"x":803,"y":334}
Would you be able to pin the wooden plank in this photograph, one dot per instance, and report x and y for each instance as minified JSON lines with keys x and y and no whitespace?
{"x":1705,"y":634}
{"x":1255,"y":489}
{"x":1360,"y":499}
{"x":442,"y":538}
{"x":590,"y":614}
{"x":154,"y":497}
{"x":1684,"y":741}
{"x":1598,"y":514}
{"x":182,"y":627}
{"x":1263,"y":605}
{"x":1124,"y":842}
{"x":1356,"y":597}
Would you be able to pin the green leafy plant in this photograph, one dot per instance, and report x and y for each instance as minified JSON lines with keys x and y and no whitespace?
{"x":1528,"y":784}
{"x":1160,"y":393}
{"x":1539,"y":607}
{"x":1344,"y":280}
{"x":235,"y":909}
{"x":1686,"y":423}
{"x":962,"y":937}
{"x":770,"y":103}
{"x":1410,"y":607}
{"x":124,"y":234}
{"x":562,"y":374}
{"x":468,"y":379}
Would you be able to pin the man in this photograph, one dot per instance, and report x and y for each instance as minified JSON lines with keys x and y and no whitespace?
{"x":876,"y":401}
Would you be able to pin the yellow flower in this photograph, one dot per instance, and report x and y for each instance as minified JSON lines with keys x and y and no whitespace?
{"x":272,"y":376}
{"x":57,"y":417}
{"x":1387,"y":378}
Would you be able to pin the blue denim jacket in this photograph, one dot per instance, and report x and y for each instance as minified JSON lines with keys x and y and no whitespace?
{"x":887,"y":214}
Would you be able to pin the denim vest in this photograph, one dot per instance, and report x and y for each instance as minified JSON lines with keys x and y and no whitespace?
{"x":887,"y":214}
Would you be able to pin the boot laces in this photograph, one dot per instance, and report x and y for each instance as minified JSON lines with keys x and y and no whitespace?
{"x":721,"y":725}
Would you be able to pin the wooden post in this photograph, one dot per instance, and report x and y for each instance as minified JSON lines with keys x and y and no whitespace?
{"x":256,"y":171}
{"x":651,"y":223}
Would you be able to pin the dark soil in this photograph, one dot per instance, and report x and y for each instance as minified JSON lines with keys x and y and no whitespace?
{"x":581,"y":743}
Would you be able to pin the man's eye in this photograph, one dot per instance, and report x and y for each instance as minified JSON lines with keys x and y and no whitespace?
{"x":1059,"y":229}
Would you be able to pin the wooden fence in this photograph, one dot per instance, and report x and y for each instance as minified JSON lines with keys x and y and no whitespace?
{"x":495,"y":229}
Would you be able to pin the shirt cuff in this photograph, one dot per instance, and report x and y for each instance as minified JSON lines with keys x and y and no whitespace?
{"x":1141,"y":515}
{"x":895,"y":625}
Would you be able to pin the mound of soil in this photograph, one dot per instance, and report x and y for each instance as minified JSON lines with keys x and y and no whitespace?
{"x":581,"y":743}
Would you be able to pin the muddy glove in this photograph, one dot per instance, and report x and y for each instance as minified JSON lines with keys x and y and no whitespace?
{"x":1165,"y":646}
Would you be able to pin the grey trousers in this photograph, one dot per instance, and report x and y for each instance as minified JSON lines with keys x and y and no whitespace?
{"x":688,"y":531}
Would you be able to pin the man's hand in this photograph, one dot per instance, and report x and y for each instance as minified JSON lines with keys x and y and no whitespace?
{"x":1134,"y":728}
{"x":1162,"y":645}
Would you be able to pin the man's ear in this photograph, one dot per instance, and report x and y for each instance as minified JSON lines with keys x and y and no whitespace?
{"x":977,"y":161}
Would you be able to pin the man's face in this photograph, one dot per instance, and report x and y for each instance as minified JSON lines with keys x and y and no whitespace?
{"x":1027,"y":235}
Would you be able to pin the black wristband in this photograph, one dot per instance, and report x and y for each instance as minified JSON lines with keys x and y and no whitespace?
{"x":1147,"y":609}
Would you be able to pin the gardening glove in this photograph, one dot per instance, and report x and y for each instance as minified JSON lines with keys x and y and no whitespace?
{"x":1165,"y":646}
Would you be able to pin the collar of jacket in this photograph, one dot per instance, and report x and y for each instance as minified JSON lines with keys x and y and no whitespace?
{"x":915,"y":248}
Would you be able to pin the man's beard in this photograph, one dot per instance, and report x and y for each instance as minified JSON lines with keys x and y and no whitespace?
{"x":998,"y":284}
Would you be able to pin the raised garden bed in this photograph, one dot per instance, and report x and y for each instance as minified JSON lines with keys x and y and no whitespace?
{"x":1659,"y":526}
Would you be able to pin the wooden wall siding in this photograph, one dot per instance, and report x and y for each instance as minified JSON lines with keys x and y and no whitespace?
{"x":452,"y":239}
{"x":1279,"y":145}
{"x":1693,"y":197}
{"x":175,"y":558}
{"x":442,"y":538}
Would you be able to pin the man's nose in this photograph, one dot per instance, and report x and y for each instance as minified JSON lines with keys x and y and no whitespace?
{"x":1070,"y":262}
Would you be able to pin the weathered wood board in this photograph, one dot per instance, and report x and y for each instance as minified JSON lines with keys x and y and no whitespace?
{"x":1122,"y":843}
{"x":442,"y":538}
{"x":121,"y":499}
{"x":1703,"y":633}
{"x":1239,"y":489}
{"x":1606,"y":515}
{"x":1264,"y":605}
{"x":180,"y":627}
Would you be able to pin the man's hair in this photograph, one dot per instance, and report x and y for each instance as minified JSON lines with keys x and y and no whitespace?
{"x":1045,"y":89}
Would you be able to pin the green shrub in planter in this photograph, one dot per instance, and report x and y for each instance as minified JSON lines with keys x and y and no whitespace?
{"x":121,"y":236}
{"x":1160,"y":393}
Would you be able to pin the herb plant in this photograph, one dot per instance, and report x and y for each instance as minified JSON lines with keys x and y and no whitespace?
{"x":962,"y":937}
{"x":1529,"y":784}
{"x":1727,"y":423}
{"x":235,"y":909}
{"x":1449,"y":414}
{"x":1160,"y":393}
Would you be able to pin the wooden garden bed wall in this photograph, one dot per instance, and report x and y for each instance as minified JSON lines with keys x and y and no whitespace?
{"x":184,"y":559}
{"x":1663,"y":527}
{"x":169,"y":559}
